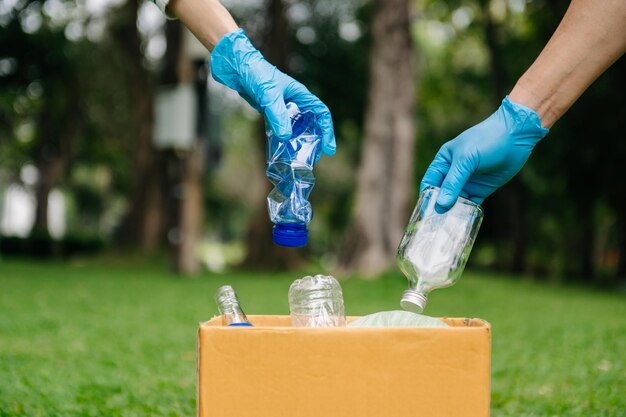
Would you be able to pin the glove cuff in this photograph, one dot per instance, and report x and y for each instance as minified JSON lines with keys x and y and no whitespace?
{"x":226,"y":58}
{"x":525,"y":121}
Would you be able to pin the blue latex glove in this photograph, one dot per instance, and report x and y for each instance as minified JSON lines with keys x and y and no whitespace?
{"x":486,"y":156}
{"x":238,"y":65}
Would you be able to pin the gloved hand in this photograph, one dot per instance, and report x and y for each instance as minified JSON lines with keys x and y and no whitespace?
{"x":238,"y":65}
{"x":486,"y":156}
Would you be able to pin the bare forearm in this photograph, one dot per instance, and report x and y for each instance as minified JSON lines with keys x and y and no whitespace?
{"x":207,"y":19}
{"x":591,"y":36}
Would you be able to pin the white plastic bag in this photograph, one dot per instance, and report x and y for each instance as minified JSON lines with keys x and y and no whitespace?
{"x":397,"y":319}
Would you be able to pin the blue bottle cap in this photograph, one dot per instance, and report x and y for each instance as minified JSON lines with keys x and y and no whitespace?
{"x":290,"y":234}
{"x":240,"y":325}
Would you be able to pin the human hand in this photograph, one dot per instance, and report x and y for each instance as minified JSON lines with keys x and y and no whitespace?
{"x":238,"y":65}
{"x":484,"y":157}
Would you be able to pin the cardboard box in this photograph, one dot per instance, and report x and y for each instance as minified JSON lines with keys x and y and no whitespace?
{"x":274,"y":370}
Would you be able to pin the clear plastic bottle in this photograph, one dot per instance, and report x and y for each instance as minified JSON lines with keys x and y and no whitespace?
{"x":435,"y":247}
{"x":228,"y":305}
{"x":316,"y":302}
{"x":290,"y":168}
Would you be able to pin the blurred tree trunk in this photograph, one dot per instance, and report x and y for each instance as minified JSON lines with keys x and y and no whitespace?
{"x":512,"y":198}
{"x":190,"y":213}
{"x":620,"y":203}
{"x":173,"y":161}
{"x":586,"y":242}
{"x":385,"y":182}
{"x":621,"y":262}
{"x":260,"y":251}
{"x":183,"y":173}
{"x":143,"y":222}
{"x":59,"y":126}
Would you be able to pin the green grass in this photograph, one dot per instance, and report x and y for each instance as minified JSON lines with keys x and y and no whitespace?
{"x":106,"y":338}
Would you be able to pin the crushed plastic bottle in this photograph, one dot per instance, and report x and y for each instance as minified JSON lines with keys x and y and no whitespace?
{"x":435,"y":247}
{"x":316,"y":302}
{"x":229,"y":307}
{"x":290,"y":169}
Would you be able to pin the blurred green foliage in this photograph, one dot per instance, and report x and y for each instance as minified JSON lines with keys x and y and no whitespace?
{"x":573,"y":213}
{"x":570,"y":205}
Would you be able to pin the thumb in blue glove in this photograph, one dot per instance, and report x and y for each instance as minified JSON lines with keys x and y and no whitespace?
{"x":484,"y":157}
{"x":238,"y":65}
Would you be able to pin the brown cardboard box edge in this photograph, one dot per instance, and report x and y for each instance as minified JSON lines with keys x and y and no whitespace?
{"x":274,"y":363}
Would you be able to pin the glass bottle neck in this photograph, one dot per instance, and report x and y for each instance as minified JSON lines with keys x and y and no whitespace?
{"x":233,"y":316}
{"x":229,"y":307}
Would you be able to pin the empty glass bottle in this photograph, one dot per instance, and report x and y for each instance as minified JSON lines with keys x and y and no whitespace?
{"x":290,"y":168}
{"x":435,"y":247}
{"x":316,"y":302}
{"x":228,"y":305}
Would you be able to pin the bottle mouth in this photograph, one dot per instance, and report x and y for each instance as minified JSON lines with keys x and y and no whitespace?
{"x":290,"y":234}
{"x":460,"y":199}
{"x":413,"y":301}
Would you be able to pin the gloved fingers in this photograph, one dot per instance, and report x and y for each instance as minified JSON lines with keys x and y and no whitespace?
{"x":251,"y":102}
{"x":480,"y":186}
{"x":325,"y":124}
{"x":477,"y":200}
{"x":271,"y":100}
{"x":460,"y":171}
{"x":436,"y":172}
{"x":299,"y":94}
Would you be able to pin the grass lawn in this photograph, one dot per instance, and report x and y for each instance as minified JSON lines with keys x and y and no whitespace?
{"x":117,"y":338}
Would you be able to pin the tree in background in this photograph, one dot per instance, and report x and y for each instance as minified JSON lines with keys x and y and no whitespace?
{"x":564,"y":216}
{"x":65,"y":109}
{"x":330,"y":55}
{"x":143,"y":224}
{"x":181,"y":170}
{"x":260,"y":251}
{"x":560,"y":218}
{"x":386,"y":181}
{"x":44,"y":76}
{"x":323,"y":44}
